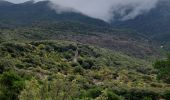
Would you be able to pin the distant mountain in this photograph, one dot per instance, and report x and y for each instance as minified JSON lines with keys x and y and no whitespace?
{"x":38,"y":21}
{"x":72,"y":56}
{"x":29,"y":12}
{"x":154,"y":22}
{"x":5,"y":3}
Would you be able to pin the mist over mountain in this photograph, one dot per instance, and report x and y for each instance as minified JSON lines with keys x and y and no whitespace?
{"x":146,"y":16}
{"x":154,"y":22}
{"x":30,"y":12}
{"x":39,"y":15}
{"x":3,"y":3}
{"x":84,"y":49}
{"x":100,"y":9}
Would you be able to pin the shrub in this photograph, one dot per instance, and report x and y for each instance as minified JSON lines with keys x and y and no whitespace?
{"x":167,"y":95}
{"x":31,"y":90}
{"x":108,"y":95}
{"x":94,"y":92}
{"x":5,"y":64}
{"x":163,"y":68}
{"x":88,"y":64}
{"x":12,"y":84}
{"x":79,"y":69}
{"x":113,"y":96}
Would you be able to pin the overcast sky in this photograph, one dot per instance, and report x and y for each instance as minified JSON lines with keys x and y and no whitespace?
{"x":18,"y":1}
{"x":102,"y":9}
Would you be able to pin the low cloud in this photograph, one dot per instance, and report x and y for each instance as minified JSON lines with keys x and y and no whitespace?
{"x":106,"y":10}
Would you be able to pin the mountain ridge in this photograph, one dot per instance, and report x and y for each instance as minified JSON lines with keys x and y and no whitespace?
{"x":30,"y":15}
{"x":51,"y":56}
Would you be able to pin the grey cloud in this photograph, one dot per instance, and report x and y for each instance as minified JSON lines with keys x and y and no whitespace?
{"x":105,"y":9}
{"x":21,"y":1}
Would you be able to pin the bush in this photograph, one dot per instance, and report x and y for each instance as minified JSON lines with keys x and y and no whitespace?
{"x":5,"y":65}
{"x":88,"y":64}
{"x":79,"y":69}
{"x":93,"y":93}
{"x":137,"y":94}
{"x":167,"y":95}
{"x":113,"y":96}
{"x":57,"y":89}
{"x":163,"y":68}
{"x":11,"y":84}
{"x":108,"y":95}
{"x":31,"y":90}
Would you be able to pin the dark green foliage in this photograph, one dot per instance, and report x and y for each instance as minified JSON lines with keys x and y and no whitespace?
{"x":94,"y":92}
{"x":163,"y":69}
{"x":11,"y":85}
{"x":113,"y":96}
{"x":167,"y":95}
{"x":79,"y":69}
{"x":5,"y":65}
{"x":87,"y":64}
{"x":139,"y":94}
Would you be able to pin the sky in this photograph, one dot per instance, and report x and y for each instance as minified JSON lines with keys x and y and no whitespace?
{"x":19,"y":1}
{"x":105,"y":10}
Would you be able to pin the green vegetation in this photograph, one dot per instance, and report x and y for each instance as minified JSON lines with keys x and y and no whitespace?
{"x":70,"y":56}
{"x":163,"y":69}
{"x":60,"y":70}
{"x":11,"y":85}
{"x":58,"y":89}
{"x":120,"y":40}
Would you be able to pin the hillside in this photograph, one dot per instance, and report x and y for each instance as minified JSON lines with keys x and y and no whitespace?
{"x":154,"y":24}
{"x":126,"y":41}
{"x":30,"y":15}
{"x":46,"y":55}
{"x":92,"y":70}
{"x":37,"y":21}
{"x":13,"y":15}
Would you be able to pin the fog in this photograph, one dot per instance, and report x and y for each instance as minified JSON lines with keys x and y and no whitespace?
{"x":106,"y":10}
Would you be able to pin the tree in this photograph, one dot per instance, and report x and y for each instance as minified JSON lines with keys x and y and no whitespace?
{"x":11,"y":84}
{"x":163,"y":68}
